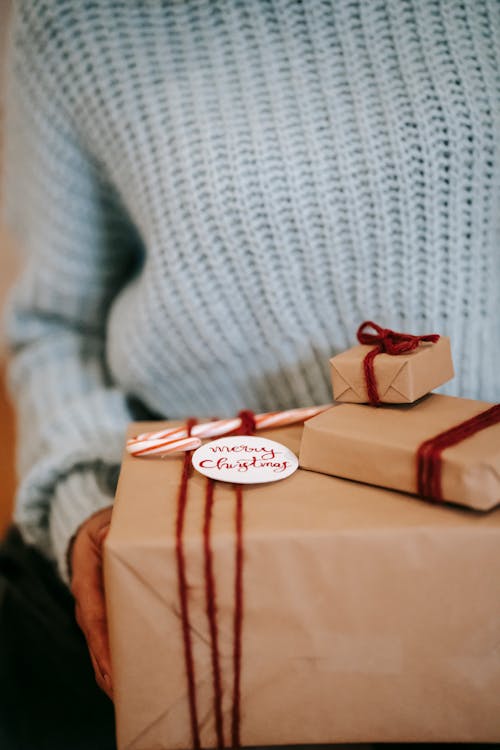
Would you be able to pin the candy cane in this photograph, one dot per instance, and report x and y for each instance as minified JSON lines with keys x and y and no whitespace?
{"x":163,"y":447}
{"x":151,"y":442}
{"x":283,"y":418}
{"x":204,"y":430}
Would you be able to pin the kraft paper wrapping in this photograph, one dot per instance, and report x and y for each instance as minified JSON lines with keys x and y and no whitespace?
{"x":368,"y":617}
{"x":379,"y":445}
{"x":400,"y":379}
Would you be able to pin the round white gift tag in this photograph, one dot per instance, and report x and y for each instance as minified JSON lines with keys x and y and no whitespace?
{"x":245,"y":459}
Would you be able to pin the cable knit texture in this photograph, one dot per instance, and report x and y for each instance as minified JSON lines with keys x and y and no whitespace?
{"x":213,"y":195}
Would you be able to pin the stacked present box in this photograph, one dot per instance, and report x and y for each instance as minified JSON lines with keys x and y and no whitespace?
{"x":331,"y":606}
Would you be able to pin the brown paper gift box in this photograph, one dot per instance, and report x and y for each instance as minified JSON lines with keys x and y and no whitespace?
{"x":367,"y":616}
{"x":378,"y":446}
{"x":400,"y":379}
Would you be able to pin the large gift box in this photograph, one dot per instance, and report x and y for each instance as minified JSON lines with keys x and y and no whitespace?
{"x":310,"y":610}
{"x":387,"y":447}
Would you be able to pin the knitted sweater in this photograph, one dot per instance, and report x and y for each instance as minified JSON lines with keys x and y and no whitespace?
{"x":214,"y":194}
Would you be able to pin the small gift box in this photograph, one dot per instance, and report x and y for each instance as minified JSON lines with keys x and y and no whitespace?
{"x":309,"y":610}
{"x":389,"y":367}
{"x":442,"y":448}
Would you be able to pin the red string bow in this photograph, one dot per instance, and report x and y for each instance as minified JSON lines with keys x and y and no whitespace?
{"x":390,"y":342}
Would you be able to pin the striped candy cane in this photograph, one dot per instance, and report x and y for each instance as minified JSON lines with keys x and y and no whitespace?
{"x":163,"y":447}
{"x":204,"y":430}
{"x":151,"y":443}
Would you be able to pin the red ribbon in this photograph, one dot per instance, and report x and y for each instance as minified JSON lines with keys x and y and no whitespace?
{"x":182,"y":499}
{"x":389,"y":342}
{"x":247,"y":428}
{"x":429,"y":454}
{"x":211,"y":609}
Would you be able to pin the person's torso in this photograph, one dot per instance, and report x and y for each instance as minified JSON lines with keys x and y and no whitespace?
{"x":294,"y":168}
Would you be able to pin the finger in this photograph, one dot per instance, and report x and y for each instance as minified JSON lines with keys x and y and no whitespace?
{"x":103,"y":532}
{"x":97,"y":639}
{"x":90,"y":611}
{"x":88,"y":576}
{"x":87,"y":532}
{"x":87,"y":566}
{"x":95,"y":632}
{"x":91,"y":617}
{"x":88,"y":589}
{"x":102,"y":679}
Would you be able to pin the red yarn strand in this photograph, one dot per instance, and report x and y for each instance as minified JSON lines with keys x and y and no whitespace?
{"x":371,"y":382}
{"x":429,"y":454}
{"x":183,"y":591}
{"x":238,"y":620}
{"x":211,"y":604}
{"x":247,"y":428}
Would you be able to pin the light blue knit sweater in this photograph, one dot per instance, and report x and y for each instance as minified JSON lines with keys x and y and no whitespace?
{"x":213,"y":195}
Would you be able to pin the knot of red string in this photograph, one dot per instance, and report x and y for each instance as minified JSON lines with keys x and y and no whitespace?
{"x":387,"y":341}
{"x":391,"y":342}
{"x":247,"y":426}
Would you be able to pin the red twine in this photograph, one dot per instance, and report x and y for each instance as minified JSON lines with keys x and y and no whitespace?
{"x":390,"y":342}
{"x":247,"y":428}
{"x":238,"y":620}
{"x":211,"y":603}
{"x":183,"y":590}
{"x":429,"y":454}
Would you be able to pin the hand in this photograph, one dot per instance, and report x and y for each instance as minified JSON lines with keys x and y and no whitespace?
{"x":87,"y":586}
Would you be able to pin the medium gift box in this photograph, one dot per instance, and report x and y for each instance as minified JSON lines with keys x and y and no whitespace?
{"x":308,"y":610}
{"x":390,"y":367}
{"x":442,"y":448}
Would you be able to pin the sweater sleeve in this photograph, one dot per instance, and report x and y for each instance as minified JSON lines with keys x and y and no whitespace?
{"x":79,"y":248}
